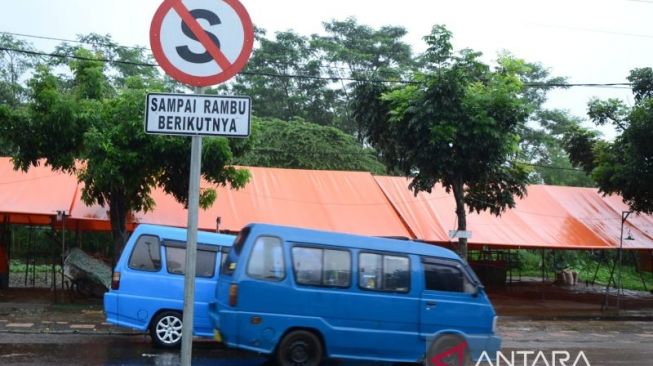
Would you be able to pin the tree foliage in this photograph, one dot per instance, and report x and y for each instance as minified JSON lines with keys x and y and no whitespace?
{"x":296,"y":77}
{"x":299,"y":144}
{"x":360,"y":51}
{"x":543,"y":144}
{"x":305,"y":95}
{"x":623,"y":166}
{"x":457,"y":124}
{"x":542,"y":138}
{"x":356,"y":51}
{"x":90,"y":121}
{"x":13,"y":68}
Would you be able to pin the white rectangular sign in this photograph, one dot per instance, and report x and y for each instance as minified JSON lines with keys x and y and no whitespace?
{"x":202,"y":115}
{"x":460,"y":234}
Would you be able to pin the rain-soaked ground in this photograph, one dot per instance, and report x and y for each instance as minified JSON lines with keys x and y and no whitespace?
{"x":527,"y":342}
{"x":540,"y":324}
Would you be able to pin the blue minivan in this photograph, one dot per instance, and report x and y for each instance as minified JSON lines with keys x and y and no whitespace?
{"x":147,"y":288}
{"x":304,"y":295}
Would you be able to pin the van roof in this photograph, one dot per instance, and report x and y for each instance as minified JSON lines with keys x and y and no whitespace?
{"x":311,"y":236}
{"x":180,"y":234}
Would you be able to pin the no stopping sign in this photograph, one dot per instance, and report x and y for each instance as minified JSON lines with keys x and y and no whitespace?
{"x":201,"y":42}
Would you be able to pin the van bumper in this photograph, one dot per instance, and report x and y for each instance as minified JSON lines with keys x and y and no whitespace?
{"x":214,"y":317}
{"x":111,"y":307}
{"x":217,"y":336}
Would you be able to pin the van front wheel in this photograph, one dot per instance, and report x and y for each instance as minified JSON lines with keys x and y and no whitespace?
{"x":448,"y":350}
{"x":299,"y":348}
{"x":165,"y":330}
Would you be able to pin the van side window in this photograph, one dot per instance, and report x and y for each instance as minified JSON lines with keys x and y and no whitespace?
{"x":446,"y":277}
{"x":266,"y":260}
{"x":176,"y":261}
{"x":384,"y":272}
{"x":322,"y":267}
{"x":146,"y":255}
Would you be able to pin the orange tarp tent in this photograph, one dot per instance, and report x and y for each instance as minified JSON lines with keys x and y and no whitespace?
{"x":548,"y":217}
{"x":33,"y":198}
{"x":354,"y":202}
{"x":638,"y":225}
{"x":328,"y":200}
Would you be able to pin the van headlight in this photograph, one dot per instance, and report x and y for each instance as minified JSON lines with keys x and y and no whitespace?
{"x":494,"y":324}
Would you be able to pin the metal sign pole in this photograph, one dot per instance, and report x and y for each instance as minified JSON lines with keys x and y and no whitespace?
{"x":191,"y":247}
{"x":209,"y":119}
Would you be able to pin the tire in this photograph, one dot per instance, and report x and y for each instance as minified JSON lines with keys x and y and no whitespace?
{"x":299,"y":348}
{"x":166,"y":329}
{"x":447,"y":343}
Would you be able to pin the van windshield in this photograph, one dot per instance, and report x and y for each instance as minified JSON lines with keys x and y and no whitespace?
{"x":229,"y":265}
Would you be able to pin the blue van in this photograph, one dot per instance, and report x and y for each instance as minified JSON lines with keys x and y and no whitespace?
{"x":303,"y":295}
{"x":147,"y":288}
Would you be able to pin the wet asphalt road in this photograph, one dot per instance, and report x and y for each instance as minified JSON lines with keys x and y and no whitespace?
{"x":89,"y":349}
{"x":604,"y":343}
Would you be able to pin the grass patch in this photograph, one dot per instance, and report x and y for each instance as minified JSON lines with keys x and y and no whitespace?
{"x":529,"y":263}
{"x":17,"y":266}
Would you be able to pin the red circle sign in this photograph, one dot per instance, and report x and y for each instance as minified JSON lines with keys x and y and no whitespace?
{"x":201,"y":42}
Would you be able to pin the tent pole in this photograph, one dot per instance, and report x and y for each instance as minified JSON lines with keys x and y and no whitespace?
{"x":624,"y":217}
{"x":63,"y":246}
{"x":612,"y":279}
{"x":27,"y":255}
{"x":542,"y":253}
{"x":641,"y":277}
{"x":53,"y":261}
{"x":607,"y":287}
{"x":598,"y":266}
{"x":78,"y":242}
{"x":510,"y":265}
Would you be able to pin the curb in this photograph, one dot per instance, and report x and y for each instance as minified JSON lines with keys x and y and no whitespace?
{"x":41,"y":331}
{"x":642,"y":318}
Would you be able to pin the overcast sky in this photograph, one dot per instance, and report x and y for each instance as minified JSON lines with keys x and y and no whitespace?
{"x":588,"y":41}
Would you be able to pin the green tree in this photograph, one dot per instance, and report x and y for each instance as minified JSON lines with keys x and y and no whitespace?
{"x":360,"y":51}
{"x":134,"y":60}
{"x":543,"y":145}
{"x":92,"y":124}
{"x":356,"y":51}
{"x":13,"y":67}
{"x":456,"y":123}
{"x":295,"y":77}
{"x":304,"y":145}
{"x":284,"y":79}
{"x":623,"y":166}
{"x":541,"y":139}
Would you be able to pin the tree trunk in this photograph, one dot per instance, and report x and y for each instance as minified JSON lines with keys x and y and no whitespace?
{"x":118,"y":214}
{"x":458,"y":194}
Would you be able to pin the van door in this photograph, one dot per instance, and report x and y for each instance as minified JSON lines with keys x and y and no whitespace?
{"x":387,"y":303}
{"x":449,"y":301}
{"x":264,"y":294}
{"x":139,"y":282}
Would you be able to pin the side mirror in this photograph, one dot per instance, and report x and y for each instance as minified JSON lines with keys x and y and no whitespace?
{"x":477,"y":290}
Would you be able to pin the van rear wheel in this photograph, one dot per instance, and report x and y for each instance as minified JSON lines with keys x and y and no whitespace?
{"x":448,"y":350}
{"x":165,"y":329}
{"x":299,"y":348}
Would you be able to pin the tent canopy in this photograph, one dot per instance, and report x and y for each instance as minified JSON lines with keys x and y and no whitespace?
{"x":33,"y":198}
{"x":352,"y":202}
{"x":337,"y":201}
